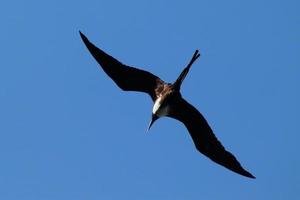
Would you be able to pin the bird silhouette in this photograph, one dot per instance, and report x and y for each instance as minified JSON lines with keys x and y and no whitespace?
{"x":169,"y":102}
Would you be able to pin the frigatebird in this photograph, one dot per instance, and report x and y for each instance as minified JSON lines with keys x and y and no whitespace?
{"x":168,"y":102}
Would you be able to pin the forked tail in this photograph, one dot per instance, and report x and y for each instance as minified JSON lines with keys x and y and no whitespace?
{"x":183,"y":74}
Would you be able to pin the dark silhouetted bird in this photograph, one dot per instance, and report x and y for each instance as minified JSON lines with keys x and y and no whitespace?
{"x":168,"y":102}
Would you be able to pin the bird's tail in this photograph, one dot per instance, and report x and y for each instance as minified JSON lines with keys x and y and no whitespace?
{"x":183,"y":74}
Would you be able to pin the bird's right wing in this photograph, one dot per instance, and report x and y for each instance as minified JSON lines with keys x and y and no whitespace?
{"x":204,"y":138}
{"x":127,"y":78}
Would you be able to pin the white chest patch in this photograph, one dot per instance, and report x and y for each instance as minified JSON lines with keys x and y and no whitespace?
{"x":158,"y":110}
{"x":156,"y":105}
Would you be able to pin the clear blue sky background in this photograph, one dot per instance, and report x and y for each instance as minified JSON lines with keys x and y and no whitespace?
{"x":67,"y":131}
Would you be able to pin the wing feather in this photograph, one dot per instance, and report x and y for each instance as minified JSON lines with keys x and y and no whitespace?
{"x":204,"y":138}
{"x":126,"y":77}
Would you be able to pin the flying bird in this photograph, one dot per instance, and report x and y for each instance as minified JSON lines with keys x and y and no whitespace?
{"x":169,"y":102}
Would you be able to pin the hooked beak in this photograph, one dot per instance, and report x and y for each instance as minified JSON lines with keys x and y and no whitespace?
{"x":153,"y":119}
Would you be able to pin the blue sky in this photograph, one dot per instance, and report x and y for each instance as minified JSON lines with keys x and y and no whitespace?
{"x":67,"y":131}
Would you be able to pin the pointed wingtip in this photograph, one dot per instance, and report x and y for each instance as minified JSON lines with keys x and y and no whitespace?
{"x":249,"y":175}
{"x":245,"y":173}
{"x":84,"y":39}
{"x":82,"y":35}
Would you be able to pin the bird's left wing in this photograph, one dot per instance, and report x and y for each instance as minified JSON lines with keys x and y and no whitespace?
{"x":127,"y":78}
{"x":203,"y":136}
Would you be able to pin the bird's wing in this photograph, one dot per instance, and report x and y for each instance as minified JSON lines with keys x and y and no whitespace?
{"x":127,"y":78}
{"x":204,"y":138}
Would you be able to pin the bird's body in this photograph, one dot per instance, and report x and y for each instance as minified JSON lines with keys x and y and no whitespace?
{"x":168,"y":102}
{"x":160,"y":110}
{"x":161,"y":105}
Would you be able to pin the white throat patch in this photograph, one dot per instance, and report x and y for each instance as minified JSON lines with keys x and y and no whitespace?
{"x":158,"y":110}
{"x":156,"y":105}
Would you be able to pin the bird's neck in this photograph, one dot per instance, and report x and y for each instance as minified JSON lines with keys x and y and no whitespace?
{"x":159,"y":108}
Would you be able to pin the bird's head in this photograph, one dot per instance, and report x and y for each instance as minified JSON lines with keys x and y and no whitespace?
{"x":154,"y":117}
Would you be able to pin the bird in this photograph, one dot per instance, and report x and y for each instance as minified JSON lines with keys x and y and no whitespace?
{"x":168,"y":102}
